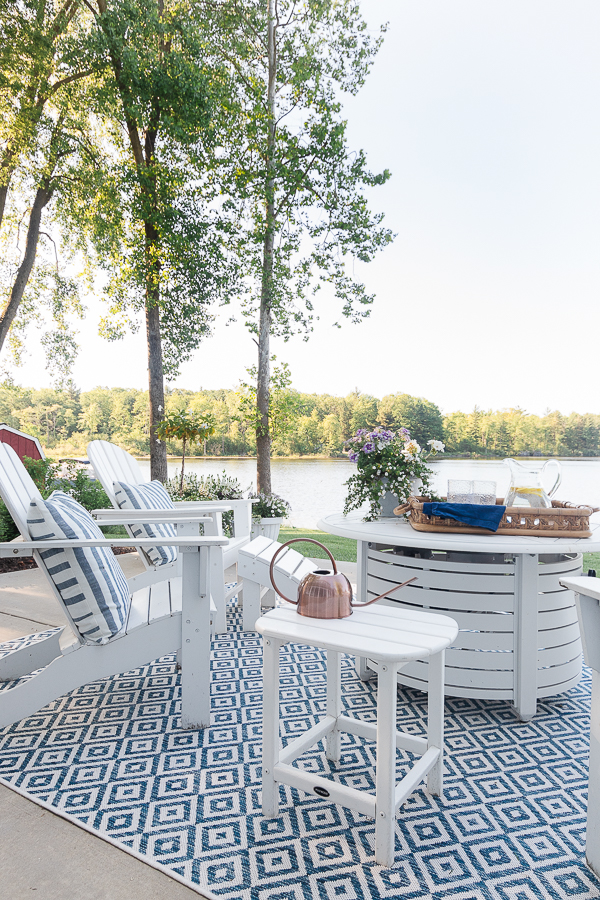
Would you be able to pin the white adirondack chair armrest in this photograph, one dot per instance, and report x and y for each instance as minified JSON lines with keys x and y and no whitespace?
{"x":183,"y":506}
{"x":26,"y":548}
{"x":214,"y":505}
{"x":146,"y":516}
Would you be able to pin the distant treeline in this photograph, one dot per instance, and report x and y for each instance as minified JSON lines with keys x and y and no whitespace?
{"x":307,"y":424}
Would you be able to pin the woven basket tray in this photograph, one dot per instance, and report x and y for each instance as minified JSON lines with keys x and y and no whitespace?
{"x":563,"y":520}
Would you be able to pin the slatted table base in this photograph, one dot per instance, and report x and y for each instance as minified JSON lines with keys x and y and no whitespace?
{"x":519,"y":637}
{"x":389,"y":796}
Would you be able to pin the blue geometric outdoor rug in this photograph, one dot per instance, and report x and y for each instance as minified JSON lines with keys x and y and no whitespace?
{"x":511,"y":824}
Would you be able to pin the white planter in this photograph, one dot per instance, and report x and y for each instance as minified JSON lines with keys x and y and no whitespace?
{"x":389,"y":501}
{"x":268,"y":528}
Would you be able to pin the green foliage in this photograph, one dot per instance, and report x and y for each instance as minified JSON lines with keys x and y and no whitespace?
{"x":158,"y":224}
{"x":421,"y":417}
{"x":8,"y":529}
{"x":185,"y":427}
{"x":284,"y":404}
{"x":87,"y":491}
{"x":43,"y":473}
{"x":299,"y":179}
{"x":46,"y":143}
{"x":65,"y":421}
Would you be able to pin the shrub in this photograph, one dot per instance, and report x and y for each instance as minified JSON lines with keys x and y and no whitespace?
{"x":270,"y":506}
{"x":87,"y":491}
{"x":206,"y":487}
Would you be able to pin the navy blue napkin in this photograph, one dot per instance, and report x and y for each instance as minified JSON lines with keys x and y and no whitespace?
{"x":471,"y":513}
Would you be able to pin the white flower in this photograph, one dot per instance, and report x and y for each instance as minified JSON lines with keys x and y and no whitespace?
{"x":411,"y":448}
{"x":438,"y":446}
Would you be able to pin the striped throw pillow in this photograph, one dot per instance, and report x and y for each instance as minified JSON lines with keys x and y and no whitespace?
{"x":148,"y":496}
{"x":89,"y":579}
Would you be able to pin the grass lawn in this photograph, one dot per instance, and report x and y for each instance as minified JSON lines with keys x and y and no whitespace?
{"x":343,"y":549}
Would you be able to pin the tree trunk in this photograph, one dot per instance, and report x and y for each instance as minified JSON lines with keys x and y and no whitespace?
{"x":182,"y":468}
{"x":156,"y":391}
{"x":9,"y":312}
{"x":263,"y":431}
{"x":156,"y":387}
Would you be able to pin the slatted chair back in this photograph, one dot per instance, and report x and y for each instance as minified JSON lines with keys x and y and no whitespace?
{"x":112,"y":464}
{"x":17,"y":488}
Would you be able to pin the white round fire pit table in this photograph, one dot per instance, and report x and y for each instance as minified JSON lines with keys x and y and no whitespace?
{"x":519,"y":636}
{"x":393,"y":637}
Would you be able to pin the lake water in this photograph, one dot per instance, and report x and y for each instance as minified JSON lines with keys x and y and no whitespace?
{"x":315,"y":487}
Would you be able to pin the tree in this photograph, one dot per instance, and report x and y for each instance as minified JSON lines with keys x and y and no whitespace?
{"x":44,"y":136}
{"x":304,"y":190}
{"x":422,"y":418}
{"x":185,"y":428}
{"x":157,"y":224}
{"x":284,"y":407}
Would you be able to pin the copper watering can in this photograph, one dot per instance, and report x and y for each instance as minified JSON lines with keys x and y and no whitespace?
{"x":321,"y":594}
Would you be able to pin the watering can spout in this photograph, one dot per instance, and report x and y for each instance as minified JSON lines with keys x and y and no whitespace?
{"x":323,"y":594}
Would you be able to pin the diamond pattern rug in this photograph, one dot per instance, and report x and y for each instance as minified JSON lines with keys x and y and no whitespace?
{"x":510,"y":826}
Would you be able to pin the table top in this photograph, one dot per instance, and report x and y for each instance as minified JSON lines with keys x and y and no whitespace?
{"x":399,"y":533}
{"x":379,"y":632}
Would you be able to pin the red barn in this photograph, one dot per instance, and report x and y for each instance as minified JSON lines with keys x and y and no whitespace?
{"x":22,"y":443}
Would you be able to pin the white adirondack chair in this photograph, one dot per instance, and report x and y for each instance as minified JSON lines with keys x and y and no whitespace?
{"x":111,"y":464}
{"x":167,"y":614}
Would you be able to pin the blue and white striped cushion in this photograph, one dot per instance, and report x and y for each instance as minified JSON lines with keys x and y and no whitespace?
{"x":89,"y":579}
{"x":148,"y":496}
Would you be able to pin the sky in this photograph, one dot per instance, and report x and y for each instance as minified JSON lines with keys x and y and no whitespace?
{"x":487,"y":114}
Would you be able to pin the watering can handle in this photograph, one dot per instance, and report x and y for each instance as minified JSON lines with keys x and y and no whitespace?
{"x":381,"y":596}
{"x":287,"y":544}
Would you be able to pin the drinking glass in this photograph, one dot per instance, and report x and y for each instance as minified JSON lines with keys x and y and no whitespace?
{"x":484,"y":492}
{"x":460,"y":490}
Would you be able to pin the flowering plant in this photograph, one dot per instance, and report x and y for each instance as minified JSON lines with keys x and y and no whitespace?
{"x":270,"y":506}
{"x":386,"y":461}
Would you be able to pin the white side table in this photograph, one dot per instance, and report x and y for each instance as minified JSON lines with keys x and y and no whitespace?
{"x":393,"y":638}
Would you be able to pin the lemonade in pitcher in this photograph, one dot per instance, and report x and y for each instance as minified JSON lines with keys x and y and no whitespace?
{"x":526,"y":488}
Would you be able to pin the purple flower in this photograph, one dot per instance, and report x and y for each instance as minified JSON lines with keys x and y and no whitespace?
{"x":405,"y":432}
{"x":352,"y":456}
{"x":368,"y":447}
{"x":360,"y":432}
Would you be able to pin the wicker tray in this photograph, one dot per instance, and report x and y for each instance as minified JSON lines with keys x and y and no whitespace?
{"x":563,"y":520}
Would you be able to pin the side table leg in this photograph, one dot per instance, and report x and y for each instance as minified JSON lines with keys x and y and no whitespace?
{"x":525,"y":654}
{"x":334,"y":703}
{"x":270,"y":754}
{"x":435,"y":720}
{"x":251,"y":598}
{"x":385,"y":778}
{"x":362,"y":669}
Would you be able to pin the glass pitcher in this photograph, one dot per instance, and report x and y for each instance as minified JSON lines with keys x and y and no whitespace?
{"x":526,"y":488}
